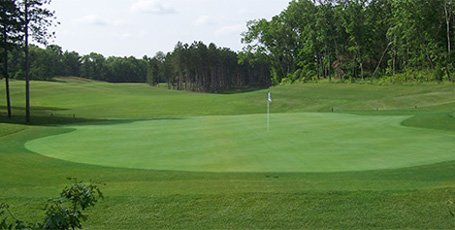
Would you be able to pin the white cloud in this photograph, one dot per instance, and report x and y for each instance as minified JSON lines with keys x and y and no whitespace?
{"x":152,"y":7}
{"x":119,"y":23}
{"x":126,"y":35}
{"x":230,"y":29}
{"x":202,"y":20}
{"x":93,"y":20}
{"x":245,"y":11}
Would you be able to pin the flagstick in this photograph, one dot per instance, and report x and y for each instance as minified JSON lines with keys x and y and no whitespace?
{"x":269,"y":100}
{"x":268,"y":115}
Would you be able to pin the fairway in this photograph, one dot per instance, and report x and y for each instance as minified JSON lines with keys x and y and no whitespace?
{"x":176,"y":159}
{"x":297,"y":142}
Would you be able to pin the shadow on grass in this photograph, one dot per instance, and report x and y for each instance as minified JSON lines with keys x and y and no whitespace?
{"x":40,"y":109}
{"x":42,"y":116}
{"x":49,"y":116}
{"x":124,"y":121}
{"x":42,"y":120}
{"x":243,"y":90}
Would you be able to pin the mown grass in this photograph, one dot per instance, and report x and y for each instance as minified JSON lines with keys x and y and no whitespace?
{"x":8,"y":129}
{"x":413,"y":197}
{"x":296,"y":142}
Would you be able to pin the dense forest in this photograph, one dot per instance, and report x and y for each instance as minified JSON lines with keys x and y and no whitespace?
{"x":356,"y":39}
{"x":197,"y":67}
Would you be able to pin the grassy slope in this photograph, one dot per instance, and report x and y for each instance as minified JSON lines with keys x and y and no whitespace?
{"x":409,"y":197}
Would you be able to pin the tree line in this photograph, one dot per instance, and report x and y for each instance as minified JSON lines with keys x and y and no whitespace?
{"x":50,"y":62}
{"x":195,"y":67}
{"x":355,"y":39}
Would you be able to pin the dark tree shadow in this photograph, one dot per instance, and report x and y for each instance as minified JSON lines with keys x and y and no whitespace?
{"x":43,"y":116}
{"x":242,"y":90}
{"x":50,"y":116}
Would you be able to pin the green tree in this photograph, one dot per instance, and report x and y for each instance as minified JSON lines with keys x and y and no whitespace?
{"x":354,"y":20}
{"x":36,"y":20}
{"x":71,"y":62}
{"x":126,"y":69}
{"x":93,"y":66}
{"x":418,"y":40}
{"x":46,"y":63}
{"x":277,"y":40}
{"x":156,"y":69}
{"x":10,"y":36}
{"x":314,"y":26}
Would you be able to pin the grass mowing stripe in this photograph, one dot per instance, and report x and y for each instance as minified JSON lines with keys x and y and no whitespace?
{"x":8,"y":129}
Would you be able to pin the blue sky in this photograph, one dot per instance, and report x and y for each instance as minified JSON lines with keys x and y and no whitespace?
{"x":144,"y":27}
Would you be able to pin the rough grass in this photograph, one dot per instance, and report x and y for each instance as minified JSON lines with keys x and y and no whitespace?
{"x":413,"y":197}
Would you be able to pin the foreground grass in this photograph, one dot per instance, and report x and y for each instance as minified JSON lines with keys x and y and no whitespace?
{"x":412,"y":197}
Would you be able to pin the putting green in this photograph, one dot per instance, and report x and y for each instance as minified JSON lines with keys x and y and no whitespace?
{"x":299,"y":142}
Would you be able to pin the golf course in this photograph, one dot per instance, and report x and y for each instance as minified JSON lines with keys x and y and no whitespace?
{"x":335,"y":155}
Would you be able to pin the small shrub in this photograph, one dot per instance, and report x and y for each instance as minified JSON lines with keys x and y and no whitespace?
{"x":439,"y":74}
{"x":286,"y":80}
{"x":64,"y":212}
{"x":451,"y":206}
{"x":297,"y":75}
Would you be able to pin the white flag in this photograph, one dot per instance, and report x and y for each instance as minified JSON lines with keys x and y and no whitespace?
{"x":269,"y":97}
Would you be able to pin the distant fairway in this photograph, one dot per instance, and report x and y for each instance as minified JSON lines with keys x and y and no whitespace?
{"x":297,"y":142}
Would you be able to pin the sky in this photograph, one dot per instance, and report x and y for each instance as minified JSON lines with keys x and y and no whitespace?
{"x":144,"y":27}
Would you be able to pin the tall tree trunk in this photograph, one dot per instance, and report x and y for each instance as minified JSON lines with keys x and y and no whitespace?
{"x":329,"y":72}
{"x":424,"y":46}
{"x":394,"y":62}
{"x":361,"y":71}
{"x":27,"y":66}
{"x":448,"y":15}
{"x":5,"y":69}
{"x":382,"y":58}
